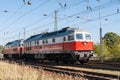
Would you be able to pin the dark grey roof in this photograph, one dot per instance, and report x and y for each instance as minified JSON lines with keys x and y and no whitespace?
{"x":9,"y":43}
{"x":64,"y":31}
{"x":33,"y":38}
{"x":12,"y":43}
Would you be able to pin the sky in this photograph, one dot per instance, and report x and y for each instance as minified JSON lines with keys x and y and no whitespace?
{"x":20,"y":20}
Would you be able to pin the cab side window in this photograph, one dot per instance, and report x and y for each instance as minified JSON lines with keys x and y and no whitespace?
{"x":53,"y":40}
{"x":64,"y":38}
{"x":70,"y":37}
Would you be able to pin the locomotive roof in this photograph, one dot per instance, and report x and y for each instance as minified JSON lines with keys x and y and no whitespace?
{"x":13,"y":43}
{"x":34,"y":37}
{"x":64,"y":31}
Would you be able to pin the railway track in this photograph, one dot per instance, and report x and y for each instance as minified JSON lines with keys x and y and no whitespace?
{"x":76,"y":70}
{"x":100,"y":66}
{"x":112,"y":63}
{"x":89,"y":65}
{"x":79,"y":73}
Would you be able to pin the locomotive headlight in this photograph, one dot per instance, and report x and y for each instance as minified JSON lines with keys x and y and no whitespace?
{"x":81,"y":55}
{"x":92,"y":52}
{"x":85,"y":43}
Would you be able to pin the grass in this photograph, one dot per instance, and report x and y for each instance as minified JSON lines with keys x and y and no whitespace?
{"x":17,"y":72}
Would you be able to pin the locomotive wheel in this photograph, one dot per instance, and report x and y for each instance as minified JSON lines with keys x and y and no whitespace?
{"x":82,"y":62}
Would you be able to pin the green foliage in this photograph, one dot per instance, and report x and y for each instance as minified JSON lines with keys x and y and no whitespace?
{"x":97,"y":49}
{"x":112,"y":40}
{"x":1,"y":48}
{"x":111,"y":46}
{"x":105,"y":52}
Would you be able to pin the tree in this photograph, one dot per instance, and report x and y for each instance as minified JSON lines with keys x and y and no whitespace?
{"x":1,"y":48}
{"x":111,"y":46}
{"x":112,"y":41}
{"x":105,"y":52}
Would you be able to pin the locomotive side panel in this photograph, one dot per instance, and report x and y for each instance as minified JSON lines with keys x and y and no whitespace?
{"x":68,"y":46}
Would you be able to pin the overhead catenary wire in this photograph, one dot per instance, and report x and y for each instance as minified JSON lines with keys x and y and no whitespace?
{"x":30,"y":11}
{"x":108,"y":4}
{"x":19,"y":18}
{"x":60,"y":9}
{"x":10,"y":18}
{"x":102,"y":17}
{"x":108,"y":15}
{"x":94,"y":9}
{"x":31,"y":30}
{"x":72,"y":15}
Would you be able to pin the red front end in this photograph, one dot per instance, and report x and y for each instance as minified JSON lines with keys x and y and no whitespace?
{"x":83,"y":45}
{"x":78,"y":46}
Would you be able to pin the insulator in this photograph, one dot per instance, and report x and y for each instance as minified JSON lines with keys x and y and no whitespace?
{"x":29,"y":2}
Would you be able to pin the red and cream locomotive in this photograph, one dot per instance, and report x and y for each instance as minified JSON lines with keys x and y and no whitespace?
{"x":67,"y":45}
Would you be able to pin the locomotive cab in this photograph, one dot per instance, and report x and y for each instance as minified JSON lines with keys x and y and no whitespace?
{"x":13,"y":49}
{"x":83,"y":46}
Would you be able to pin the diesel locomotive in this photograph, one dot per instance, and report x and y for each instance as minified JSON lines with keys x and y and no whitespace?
{"x":68,"y":45}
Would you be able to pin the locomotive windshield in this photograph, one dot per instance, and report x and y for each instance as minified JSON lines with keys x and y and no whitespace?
{"x":79,"y":36}
{"x":88,"y":36}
